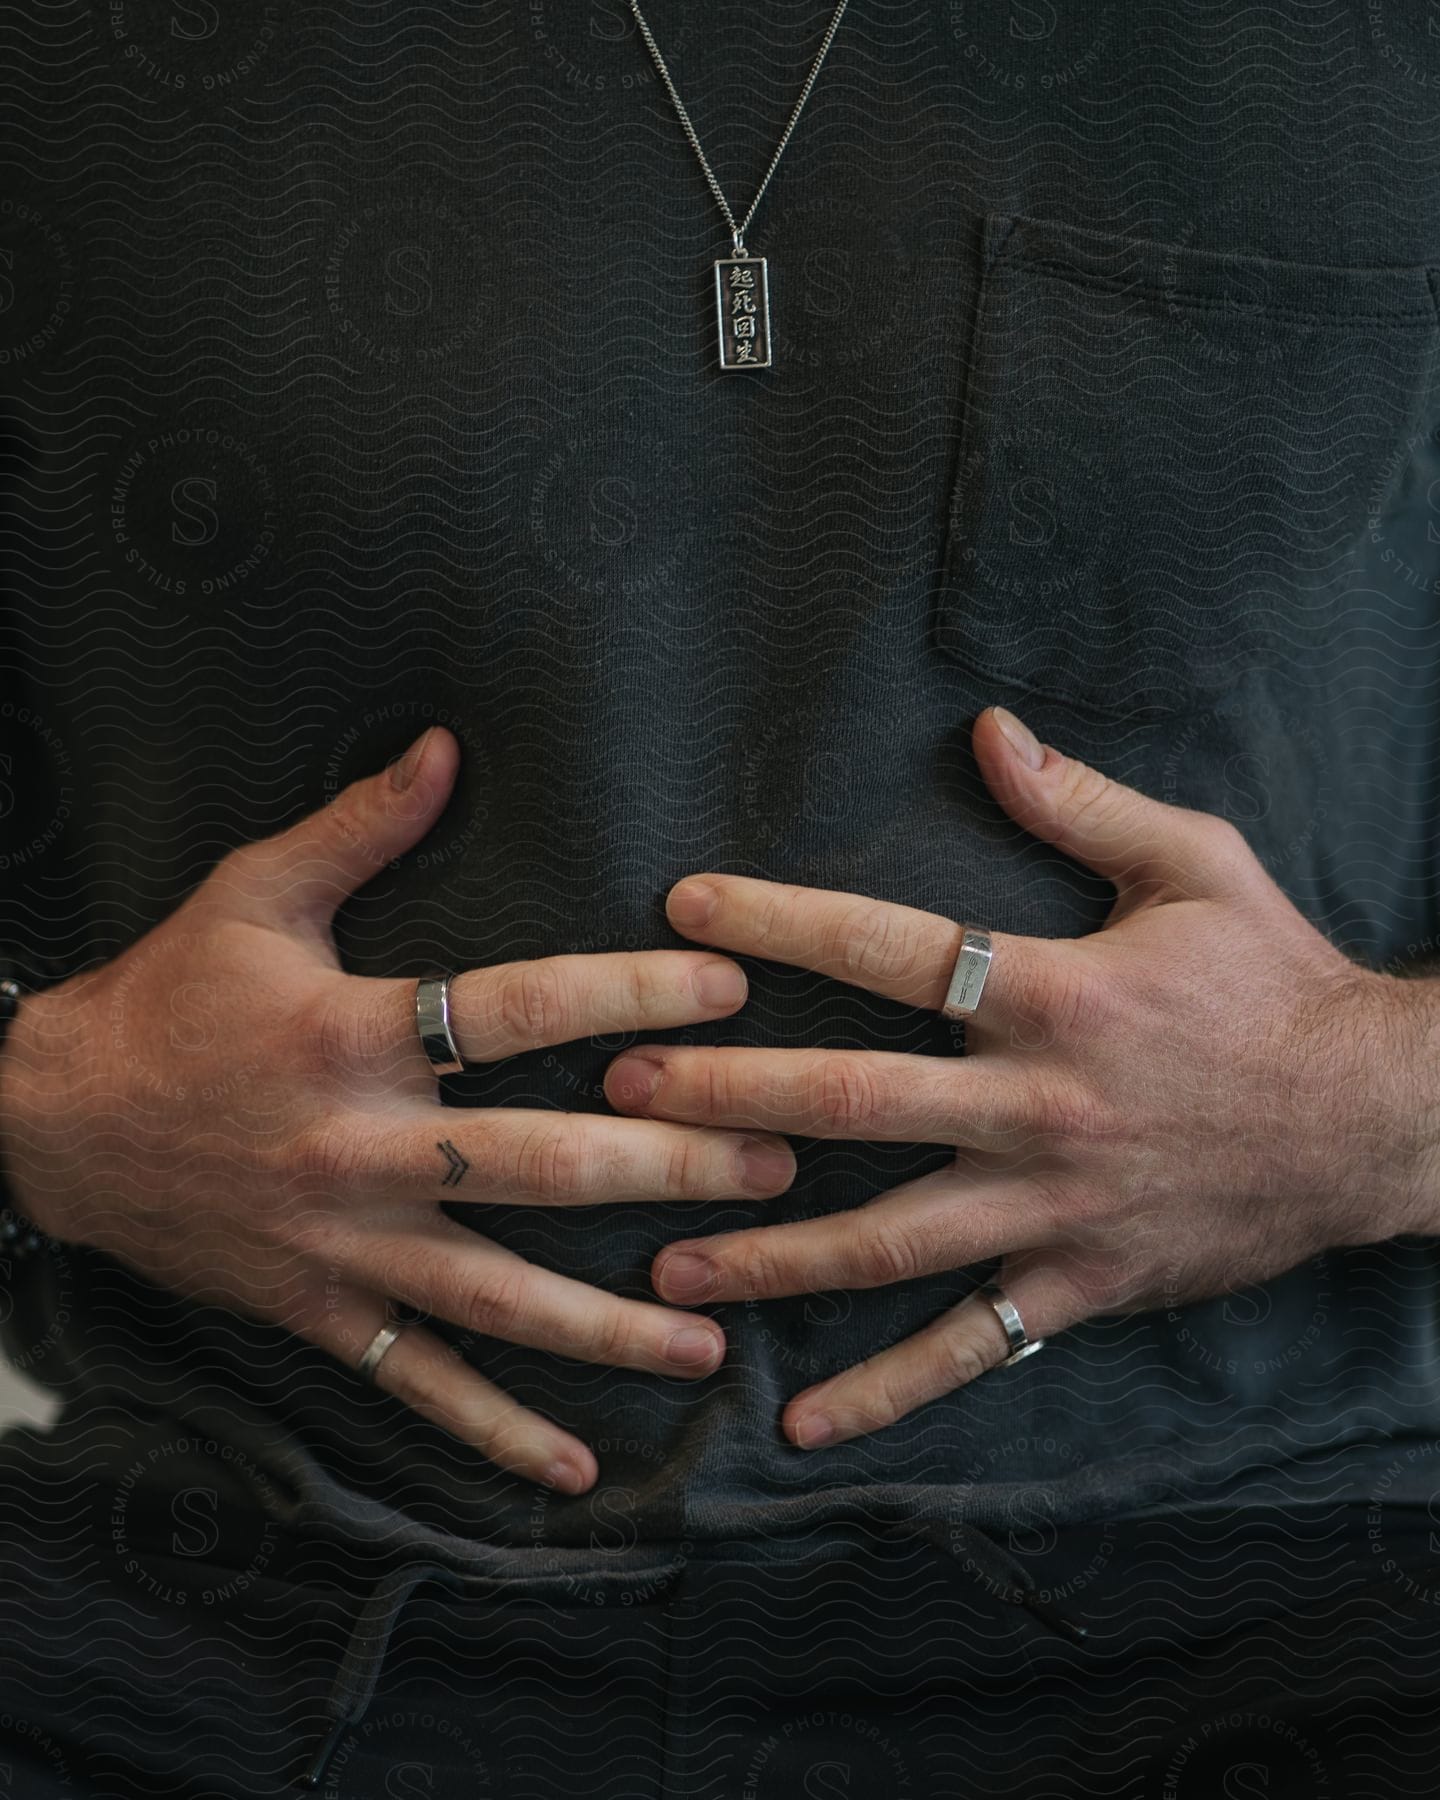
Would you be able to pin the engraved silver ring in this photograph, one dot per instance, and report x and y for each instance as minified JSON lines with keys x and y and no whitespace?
{"x":967,"y":979}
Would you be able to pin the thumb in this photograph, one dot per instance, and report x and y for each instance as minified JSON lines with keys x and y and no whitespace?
{"x":1139,"y":844}
{"x":304,"y":873}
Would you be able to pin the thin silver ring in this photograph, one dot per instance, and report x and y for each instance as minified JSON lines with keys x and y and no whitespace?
{"x":377,"y":1347}
{"x":967,"y":978}
{"x":432,"y":1021}
{"x":1021,"y":1343}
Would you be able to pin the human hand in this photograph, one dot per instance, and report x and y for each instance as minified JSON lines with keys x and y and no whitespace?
{"x":1197,"y":1097}
{"x":227,"y":1112}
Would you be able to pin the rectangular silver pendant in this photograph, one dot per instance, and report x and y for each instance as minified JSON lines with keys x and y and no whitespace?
{"x":742,"y":304}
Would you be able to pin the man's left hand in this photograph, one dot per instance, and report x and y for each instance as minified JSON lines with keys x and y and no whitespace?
{"x":1196,"y":1098}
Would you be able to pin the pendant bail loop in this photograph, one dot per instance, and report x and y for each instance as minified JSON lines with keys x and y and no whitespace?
{"x":738,"y":243}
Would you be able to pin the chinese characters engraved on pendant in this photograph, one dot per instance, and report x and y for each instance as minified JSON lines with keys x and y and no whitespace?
{"x":742,"y":305}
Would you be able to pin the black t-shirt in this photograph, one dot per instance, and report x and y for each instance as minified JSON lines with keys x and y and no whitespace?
{"x":363,"y":376}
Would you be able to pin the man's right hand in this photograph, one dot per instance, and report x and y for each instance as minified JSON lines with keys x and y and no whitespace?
{"x":229,"y":1113}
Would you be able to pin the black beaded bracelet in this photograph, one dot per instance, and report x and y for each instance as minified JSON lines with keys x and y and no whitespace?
{"x":19,"y":1236}
{"x":11,"y":994}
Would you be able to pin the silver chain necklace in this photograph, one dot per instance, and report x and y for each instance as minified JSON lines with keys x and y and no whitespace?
{"x":742,"y":283}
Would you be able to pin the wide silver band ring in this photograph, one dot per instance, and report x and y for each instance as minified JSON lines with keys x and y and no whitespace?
{"x":967,"y":979}
{"x":432,"y":1021}
{"x":1021,"y":1343}
{"x":377,"y":1347}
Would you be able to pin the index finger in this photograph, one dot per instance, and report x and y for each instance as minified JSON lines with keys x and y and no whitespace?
{"x":898,"y":951}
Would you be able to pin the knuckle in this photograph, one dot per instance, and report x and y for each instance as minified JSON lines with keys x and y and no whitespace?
{"x":884,"y":1398}
{"x":960,"y":1357}
{"x":1083,"y":794}
{"x":1223,"y":842}
{"x":882,"y":1254}
{"x":409,"y":1272}
{"x":1072,"y":1115}
{"x":901,"y":949}
{"x":325,"y":1034}
{"x":1095,"y":1285}
{"x":1076,"y":998}
{"x":326,"y":1157}
{"x":752,"y":1267}
{"x":698,"y":1087}
{"x":610,"y":1339}
{"x":530,"y":1003}
{"x":862,"y":943}
{"x":1086,"y":1278}
{"x":314,"y":1233}
{"x":1028,"y":988}
{"x":1099,"y":1119}
{"x":649,"y":992}
{"x":690,"y":1171}
{"x":238,"y":871}
{"x":849,"y":1098}
{"x":553,"y":1165}
{"x":1078,"y":1212}
{"x":773,"y":909}
{"x":346,"y":827}
{"x":495,"y":1305}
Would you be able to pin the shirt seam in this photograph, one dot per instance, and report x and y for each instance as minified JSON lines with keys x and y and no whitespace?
{"x":1424,"y":316}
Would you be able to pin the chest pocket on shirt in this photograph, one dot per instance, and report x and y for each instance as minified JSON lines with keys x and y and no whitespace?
{"x":1171,"y":460}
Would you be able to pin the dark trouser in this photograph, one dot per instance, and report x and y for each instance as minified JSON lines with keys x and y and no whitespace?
{"x":1230,"y":1654}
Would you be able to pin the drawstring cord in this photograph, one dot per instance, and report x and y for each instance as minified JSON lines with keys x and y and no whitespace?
{"x":358,"y":1674}
{"x":994,"y":1566}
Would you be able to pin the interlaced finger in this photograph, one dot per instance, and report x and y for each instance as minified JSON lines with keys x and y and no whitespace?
{"x":936,"y":1223}
{"x":517,"y":1006}
{"x":962,"y":1345}
{"x":421,"y":1370}
{"x":899,"y":951}
{"x":870,"y":1095}
{"x":532,"y":1156}
{"x":442,"y":1268}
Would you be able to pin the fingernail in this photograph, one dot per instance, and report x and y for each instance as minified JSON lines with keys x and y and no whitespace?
{"x":691,"y":903}
{"x":633,"y":1078}
{"x":402,"y":773}
{"x":686,"y":1276}
{"x":1021,"y":739}
{"x":695,"y":1347}
{"x":566,"y":1476}
{"x":814,"y":1430}
{"x":767,"y":1167}
{"x":719,"y":984}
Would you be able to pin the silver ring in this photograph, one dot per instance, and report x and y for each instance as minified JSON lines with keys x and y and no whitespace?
{"x":377,"y":1347}
{"x":967,"y":979}
{"x":432,"y":1020}
{"x":1021,"y":1344}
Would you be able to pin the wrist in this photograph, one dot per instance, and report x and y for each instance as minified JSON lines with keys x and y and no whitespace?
{"x":1403,"y":1056}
